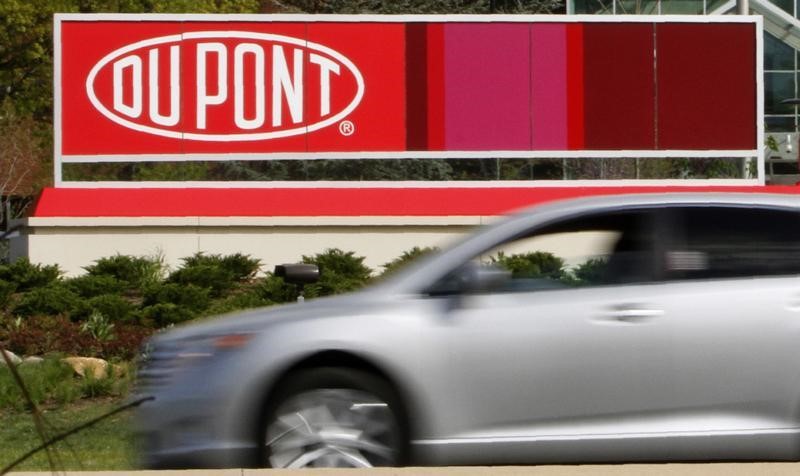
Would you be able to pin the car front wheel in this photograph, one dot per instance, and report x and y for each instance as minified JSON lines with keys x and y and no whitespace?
{"x":333,"y":417}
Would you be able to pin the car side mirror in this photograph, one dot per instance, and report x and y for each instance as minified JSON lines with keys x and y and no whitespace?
{"x":477,"y":278}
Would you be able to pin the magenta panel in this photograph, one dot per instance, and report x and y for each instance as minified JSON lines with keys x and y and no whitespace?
{"x":549,"y":86}
{"x":487,"y":86}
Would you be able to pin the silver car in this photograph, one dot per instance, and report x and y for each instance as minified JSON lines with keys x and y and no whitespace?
{"x":670,"y":332}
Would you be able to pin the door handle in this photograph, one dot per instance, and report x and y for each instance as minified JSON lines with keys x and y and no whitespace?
{"x":633,"y":313}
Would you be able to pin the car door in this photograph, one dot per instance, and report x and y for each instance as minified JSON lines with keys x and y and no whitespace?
{"x":575,"y":357}
{"x":732,"y":315}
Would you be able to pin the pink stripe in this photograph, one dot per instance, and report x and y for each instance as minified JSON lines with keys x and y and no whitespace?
{"x":487,"y":86}
{"x":549,"y":86}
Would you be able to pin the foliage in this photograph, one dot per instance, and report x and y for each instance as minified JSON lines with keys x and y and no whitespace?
{"x":275,"y":289}
{"x":164,"y":314}
{"x":53,"y":382}
{"x":590,"y":272}
{"x":245,"y":300}
{"x":41,"y":335}
{"x":216,"y":273}
{"x":50,"y":300}
{"x":339,"y":272}
{"x":134,"y":272}
{"x":241,"y":267}
{"x":7,"y":288}
{"x":405,"y":258}
{"x":28,"y":276}
{"x":50,"y":379}
{"x":99,"y":326}
{"x":90,"y":285}
{"x":538,"y":264}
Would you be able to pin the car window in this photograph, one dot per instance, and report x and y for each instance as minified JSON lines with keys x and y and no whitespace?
{"x":609,"y":248}
{"x":730,"y":242}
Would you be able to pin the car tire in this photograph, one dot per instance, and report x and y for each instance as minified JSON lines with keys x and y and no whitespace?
{"x":333,"y":417}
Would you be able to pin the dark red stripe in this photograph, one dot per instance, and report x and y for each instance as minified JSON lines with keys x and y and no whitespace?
{"x":435,"y":37}
{"x":416,"y":86}
{"x":199,"y":202}
{"x":575,"y":87}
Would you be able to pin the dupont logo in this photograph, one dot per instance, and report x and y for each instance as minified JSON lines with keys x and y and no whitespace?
{"x":226,"y":86}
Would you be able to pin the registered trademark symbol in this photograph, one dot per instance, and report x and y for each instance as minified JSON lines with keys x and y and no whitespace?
{"x":347,"y":128}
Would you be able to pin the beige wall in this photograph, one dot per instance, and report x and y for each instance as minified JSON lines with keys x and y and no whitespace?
{"x":74,"y":243}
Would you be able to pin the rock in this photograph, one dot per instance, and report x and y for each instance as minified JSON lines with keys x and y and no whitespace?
{"x":12,"y":357}
{"x":88,"y":366}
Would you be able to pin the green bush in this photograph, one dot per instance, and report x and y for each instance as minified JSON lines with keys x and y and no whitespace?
{"x":7,"y":288}
{"x":339,"y":272}
{"x":27,"y":276}
{"x":189,"y":296}
{"x":164,"y":314}
{"x":246,"y":300}
{"x":214,"y":278}
{"x":134,"y":272}
{"x":538,"y":264}
{"x":274,"y":289}
{"x":49,"y":300}
{"x":218,"y":273}
{"x":90,"y":285}
{"x":242,"y":267}
{"x":405,"y":258}
{"x":113,"y":306}
{"x":590,"y":272}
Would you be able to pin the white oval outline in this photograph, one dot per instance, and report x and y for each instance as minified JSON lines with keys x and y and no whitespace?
{"x":225,"y":137}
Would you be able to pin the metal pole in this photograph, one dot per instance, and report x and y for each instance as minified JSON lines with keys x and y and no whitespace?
{"x":743,"y":7}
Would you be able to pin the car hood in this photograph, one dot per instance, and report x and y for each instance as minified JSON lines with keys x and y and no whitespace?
{"x":257,"y":319}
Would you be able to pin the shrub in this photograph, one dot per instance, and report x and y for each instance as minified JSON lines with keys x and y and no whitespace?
{"x":339,"y":272}
{"x":405,"y":258}
{"x":236,"y":302}
{"x":50,"y":300}
{"x":99,"y":326}
{"x":29,"y":276}
{"x":7,"y":288}
{"x":42,"y":335}
{"x":590,"y":272}
{"x":114,"y":307}
{"x":214,"y":278}
{"x":164,"y":314}
{"x":216,"y":272}
{"x":274,"y":289}
{"x":188,"y":296}
{"x":538,"y":264}
{"x":133,"y":272}
{"x":90,"y":285}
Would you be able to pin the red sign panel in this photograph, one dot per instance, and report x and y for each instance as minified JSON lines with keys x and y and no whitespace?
{"x":389,"y":86}
{"x":173,"y":87}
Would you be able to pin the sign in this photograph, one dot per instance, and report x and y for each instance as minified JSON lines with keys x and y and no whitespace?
{"x":179,"y":87}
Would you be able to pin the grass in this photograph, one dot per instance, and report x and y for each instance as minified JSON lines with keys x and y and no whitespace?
{"x":108,"y":445}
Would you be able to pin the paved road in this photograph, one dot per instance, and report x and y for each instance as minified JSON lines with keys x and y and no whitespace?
{"x":712,"y":469}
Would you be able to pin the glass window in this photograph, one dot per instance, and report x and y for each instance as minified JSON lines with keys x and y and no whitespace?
{"x":777,"y":54}
{"x":717,"y":242}
{"x":780,"y":123}
{"x":682,"y":7}
{"x":777,"y":87}
{"x":610,"y":248}
{"x":785,"y":5}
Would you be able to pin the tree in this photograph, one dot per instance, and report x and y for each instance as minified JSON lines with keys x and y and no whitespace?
{"x":23,"y":156}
